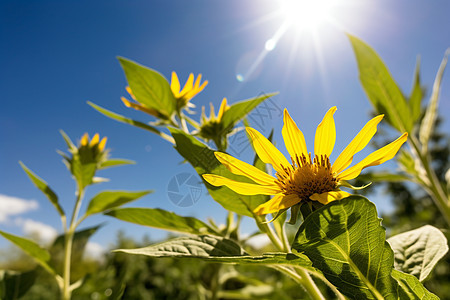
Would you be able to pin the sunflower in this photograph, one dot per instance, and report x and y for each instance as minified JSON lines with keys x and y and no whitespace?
{"x":303,"y":178}
{"x":189,"y":91}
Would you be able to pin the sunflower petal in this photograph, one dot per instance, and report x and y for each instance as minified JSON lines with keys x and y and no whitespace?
{"x":188,"y":86}
{"x":327,"y":197}
{"x":242,"y":188}
{"x":293,"y":137}
{"x":325,"y":134}
{"x":375,"y":158}
{"x":175,"y":85}
{"x":222,"y":109}
{"x":239,"y":167}
{"x":279,"y":202}
{"x":357,"y":144}
{"x":267,"y":151}
{"x":94,"y":140}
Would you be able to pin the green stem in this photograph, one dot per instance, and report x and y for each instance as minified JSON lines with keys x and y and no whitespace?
{"x":68,"y":243}
{"x":433,"y":187}
{"x":305,"y":280}
{"x":300,"y":275}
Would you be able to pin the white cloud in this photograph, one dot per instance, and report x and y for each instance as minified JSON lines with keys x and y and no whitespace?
{"x":11,"y":206}
{"x":44,"y":232}
{"x":94,"y":250}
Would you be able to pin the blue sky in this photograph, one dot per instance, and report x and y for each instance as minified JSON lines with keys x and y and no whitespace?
{"x":56,"y":55}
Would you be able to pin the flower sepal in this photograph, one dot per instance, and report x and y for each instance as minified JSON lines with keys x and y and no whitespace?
{"x":348,"y":185}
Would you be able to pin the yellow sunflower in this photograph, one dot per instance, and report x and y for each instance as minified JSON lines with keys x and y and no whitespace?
{"x":303,"y":178}
{"x":189,"y":91}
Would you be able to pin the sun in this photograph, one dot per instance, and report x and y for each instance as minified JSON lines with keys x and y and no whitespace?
{"x":306,"y":15}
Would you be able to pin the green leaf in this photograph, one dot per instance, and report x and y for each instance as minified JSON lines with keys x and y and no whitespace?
{"x":239,"y":110}
{"x":380,"y":87}
{"x":429,"y":120}
{"x":417,"y":94}
{"x":116,"y":162}
{"x":218,"y":249}
{"x":159,"y":218}
{"x":126,"y":120}
{"x":110,"y":199}
{"x":40,"y":255}
{"x":43,"y":187}
{"x":345,"y":241}
{"x":202,"y":158}
{"x":411,"y":288}
{"x":80,"y":240}
{"x":14,"y":285}
{"x":150,"y":88}
{"x":416,"y":252}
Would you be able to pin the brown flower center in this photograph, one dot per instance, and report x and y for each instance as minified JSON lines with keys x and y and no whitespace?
{"x":305,"y":178}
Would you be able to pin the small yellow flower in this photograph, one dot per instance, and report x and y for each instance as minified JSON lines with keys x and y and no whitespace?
{"x":189,"y":91}
{"x":95,"y":141}
{"x":212,"y":117}
{"x":137,"y":106}
{"x":303,"y":178}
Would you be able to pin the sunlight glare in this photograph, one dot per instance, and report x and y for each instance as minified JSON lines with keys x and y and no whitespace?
{"x":307,"y":14}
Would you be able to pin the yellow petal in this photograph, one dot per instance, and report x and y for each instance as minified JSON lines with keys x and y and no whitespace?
{"x":327,"y":197}
{"x":267,"y":151}
{"x":375,"y":158}
{"x":241,"y":168}
{"x":175,"y":85}
{"x":212,"y":116}
{"x":130,"y":92}
{"x":101,"y":145}
{"x":279,"y":202}
{"x":84,"y":139}
{"x":222,"y":109}
{"x":188,"y":86}
{"x":137,"y":106}
{"x":325,"y":134}
{"x":293,"y":137}
{"x":357,"y":144}
{"x":94,"y":140}
{"x":242,"y":188}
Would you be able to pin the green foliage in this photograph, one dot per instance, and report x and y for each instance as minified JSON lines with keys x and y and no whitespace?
{"x":126,"y":120}
{"x":429,"y":120}
{"x":239,"y":110}
{"x":43,"y":187}
{"x":411,"y":287}
{"x":13,"y":285}
{"x":41,"y":255}
{"x":347,"y":243}
{"x":107,"y":200}
{"x":380,"y":87}
{"x":202,"y":158}
{"x":418,"y":251}
{"x":149,"y":87}
{"x":159,"y":218}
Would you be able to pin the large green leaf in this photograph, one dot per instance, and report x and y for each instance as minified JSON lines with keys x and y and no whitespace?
{"x":345,"y":241}
{"x":416,"y":252}
{"x":110,"y":199}
{"x":126,"y":120}
{"x":150,"y":88}
{"x":239,"y":110}
{"x":159,"y":218}
{"x":218,"y":249}
{"x":13,"y":285}
{"x":411,"y":288}
{"x":380,"y":87}
{"x":202,"y":158}
{"x":43,"y":187}
{"x":429,"y":120}
{"x":40,"y":255}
